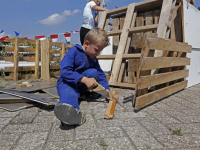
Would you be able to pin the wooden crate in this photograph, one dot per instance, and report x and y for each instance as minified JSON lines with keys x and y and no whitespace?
{"x":20,"y":72}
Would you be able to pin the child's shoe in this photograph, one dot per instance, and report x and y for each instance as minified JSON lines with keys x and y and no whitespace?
{"x":69,"y":114}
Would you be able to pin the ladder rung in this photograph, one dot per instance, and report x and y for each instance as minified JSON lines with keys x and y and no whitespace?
{"x":143,"y":28}
{"x":125,"y":56}
{"x":113,"y":33}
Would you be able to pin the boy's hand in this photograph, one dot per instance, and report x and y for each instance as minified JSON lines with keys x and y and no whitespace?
{"x":89,"y":82}
{"x":114,"y":95}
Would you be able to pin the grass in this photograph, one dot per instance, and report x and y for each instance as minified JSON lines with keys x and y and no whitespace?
{"x":177,"y":132}
{"x":102,"y":143}
{"x":2,"y":86}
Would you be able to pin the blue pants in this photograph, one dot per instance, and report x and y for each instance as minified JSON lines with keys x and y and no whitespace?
{"x":69,"y":94}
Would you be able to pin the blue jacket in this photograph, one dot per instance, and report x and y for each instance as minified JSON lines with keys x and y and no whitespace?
{"x":72,"y":65}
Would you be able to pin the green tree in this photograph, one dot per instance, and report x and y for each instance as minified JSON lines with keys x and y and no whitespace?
{"x":198,"y":8}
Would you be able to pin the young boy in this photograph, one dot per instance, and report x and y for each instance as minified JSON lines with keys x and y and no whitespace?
{"x":90,"y":17}
{"x":79,"y":72}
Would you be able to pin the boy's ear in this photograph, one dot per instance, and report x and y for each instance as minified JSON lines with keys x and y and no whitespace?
{"x":86,"y":43}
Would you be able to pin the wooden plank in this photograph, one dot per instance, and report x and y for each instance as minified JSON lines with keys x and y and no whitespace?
{"x":29,"y":59}
{"x":9,"y":49}
{"x":5,"y":98}
{"x":115,"y":38}
{"x":152,"y":80}
{"x":127,"y":85}
{"x":163,"y":62}
{"x":29,"y":41}
{"x":164,"y":22}
{"x":20,"y":68}
{"x":125,"y":56}
{"x":122,"y":44}
{"x":114,"y":33}
{"x":133,"y":64}
{"x":143,"y":28}
{"x":16,"y":106}
{"x":37,"y":86}
{"x":26,"y":76}
{"x":55,"y":74}
{"x":16,"y":59}
{"x":149,"y":98}
{"x":37,"y":59}
{"x":8,"y":77}
{"x":54,"y":59}
{"x":55,"y":51}
{"x":149,"y":20}
{"x":168,"y":45}
{"x":10,"y":40}
{"x":56,"y":44}
{"x":55,"y":67}
{"x":63,"y":52}
{"x":52,"y":91}
{"x":31,"y":97}
{"x":102,"y":20}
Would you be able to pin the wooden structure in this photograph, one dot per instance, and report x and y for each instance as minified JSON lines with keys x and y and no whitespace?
{"x":23,"y":72}
{"x":50,"y":66}
{"x":143,"y":53}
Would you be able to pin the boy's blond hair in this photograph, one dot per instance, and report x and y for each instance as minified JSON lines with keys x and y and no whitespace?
{"x":97,"y":36}
{"x":93,"y":0}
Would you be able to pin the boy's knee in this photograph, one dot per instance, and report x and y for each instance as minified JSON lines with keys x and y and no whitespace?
{"x":92,"y":73}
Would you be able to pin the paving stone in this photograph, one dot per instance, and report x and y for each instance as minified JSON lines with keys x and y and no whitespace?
{"x":118,"y":108}
{"x":99,"y":133}
{"x":163,"y":117}
{"x":49,"y":112}
{"x":185,"y":141}
{"x":185,"y":128}
{"x":142,"y":138}
{"x":6,"y":147}
{"x":174,"y":105}
{"x":39,"y":127}
{"x":78,"y":145}
{"x":61,"y":133}
{"x":41,"y":119}
{"x":122,"y":143}
{"x":191,"y":112}
{"x":154,"y":126}
{"x":119,"y":115}
{"x":6,"y":114}
{"x":24,"y":117}
{"x":90,"y":123}
{"x":116,"y":122}
{"x":5,"y":121}
{"x":8,"y":139}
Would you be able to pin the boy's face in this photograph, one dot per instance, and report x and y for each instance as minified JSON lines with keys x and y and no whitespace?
{"x":92,"y":50}
{"x":97,"y":2}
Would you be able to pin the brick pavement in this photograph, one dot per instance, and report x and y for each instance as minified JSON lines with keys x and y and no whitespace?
{"x":150,"y":128}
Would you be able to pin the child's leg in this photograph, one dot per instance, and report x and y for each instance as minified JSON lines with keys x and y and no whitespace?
{"x":67,"y":111}
{"x":83,"y":32}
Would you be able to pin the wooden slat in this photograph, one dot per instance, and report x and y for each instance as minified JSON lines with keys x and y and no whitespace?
{"x":37,"y":59}
{"x":28,"y":50}
{"x":8,"y":77}
{"x":143,"y":28}
{"x":113,"y":33}
{"x":151,"y":80}
{"x":29,"y":59}
{"x":127,"y":85}
{"x":54,"y":58}
{"x":102,"y":20}
{"x":163,"y":62}
{"x":133,"y":65}
{"x":26,"y":76}
{"x":56,"y":44}
{"x":149,"y":98}
{"x":29,"y":41}
{"x":122,"y":44}
{"x":169,"y":45}
{"x":20,"y":68}
{"x":69,"y":45}
{"x":55,"y":74}
{"x":10,"y":40}
{"x":9,"y":49}
{"x":55,"y":51}
{"x":55,"y":67}
{"x":125,"y":56}
{"x":139,"y":6}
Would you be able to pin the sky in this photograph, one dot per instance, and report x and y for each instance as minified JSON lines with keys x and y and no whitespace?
{"x":45,"y":17}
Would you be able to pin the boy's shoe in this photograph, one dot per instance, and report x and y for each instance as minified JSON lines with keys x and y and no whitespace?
{"x":69,"y":114}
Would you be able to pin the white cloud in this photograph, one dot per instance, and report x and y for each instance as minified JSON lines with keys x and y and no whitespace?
{"x":56,"y":18}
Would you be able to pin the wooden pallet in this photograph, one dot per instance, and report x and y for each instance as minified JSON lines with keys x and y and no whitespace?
{"x":143,"y":31}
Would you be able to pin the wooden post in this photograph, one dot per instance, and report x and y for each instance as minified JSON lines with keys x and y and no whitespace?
{"x":45,"y":59}
{"x":37,"y":59}
{"x":16,"y":59}
{"x":63,"y":52}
